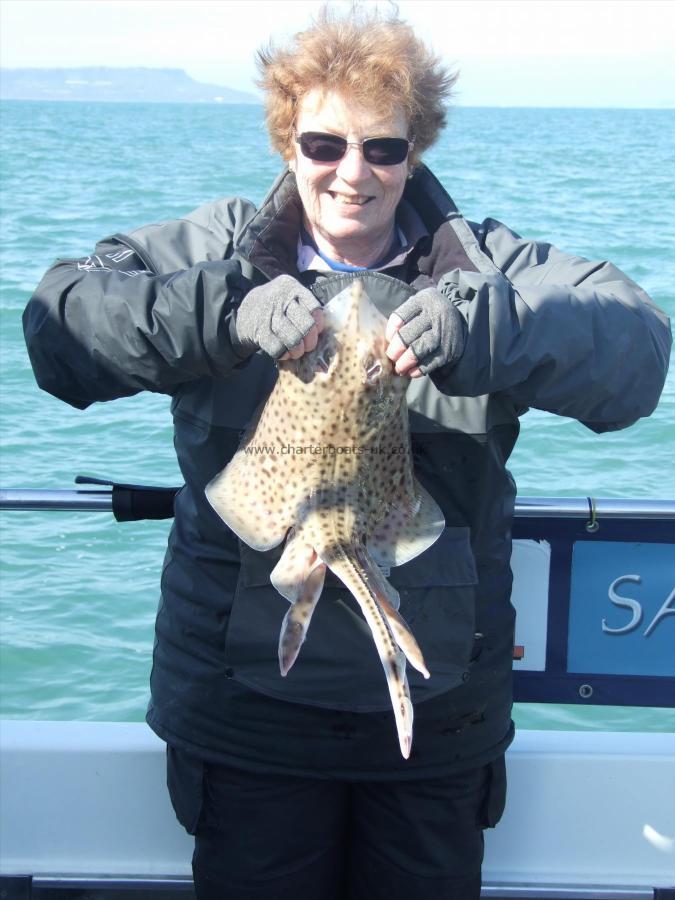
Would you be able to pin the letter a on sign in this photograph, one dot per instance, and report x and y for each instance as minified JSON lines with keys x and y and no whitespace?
{"x":666,"y":610}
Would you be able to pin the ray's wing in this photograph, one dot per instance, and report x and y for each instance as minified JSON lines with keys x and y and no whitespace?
{"x":259,"y":492}
{"x":413,"y":521}
{"x":410,"y":528}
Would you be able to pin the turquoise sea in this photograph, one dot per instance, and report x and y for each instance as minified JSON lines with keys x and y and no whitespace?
{"x":79,"y":591}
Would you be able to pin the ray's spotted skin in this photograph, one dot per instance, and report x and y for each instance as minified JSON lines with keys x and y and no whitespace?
{"x":327,"y":466}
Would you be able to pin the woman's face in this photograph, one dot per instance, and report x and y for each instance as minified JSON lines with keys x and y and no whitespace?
{"x":350,"y":205}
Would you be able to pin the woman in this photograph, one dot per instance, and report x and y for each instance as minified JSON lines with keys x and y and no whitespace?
{"x":295,"y":787}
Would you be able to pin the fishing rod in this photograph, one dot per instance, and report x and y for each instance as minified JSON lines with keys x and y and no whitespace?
{"x":134,"y":502}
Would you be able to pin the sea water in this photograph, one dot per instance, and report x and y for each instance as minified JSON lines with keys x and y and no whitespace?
{"x":79,"y":591}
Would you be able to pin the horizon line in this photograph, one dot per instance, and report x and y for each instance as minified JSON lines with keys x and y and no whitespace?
{"x":451,"y":106}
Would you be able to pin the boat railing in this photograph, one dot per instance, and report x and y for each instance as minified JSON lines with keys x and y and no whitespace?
{"x":101,"y":499}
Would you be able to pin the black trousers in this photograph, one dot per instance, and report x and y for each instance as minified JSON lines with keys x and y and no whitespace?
{"x":281,"y":837}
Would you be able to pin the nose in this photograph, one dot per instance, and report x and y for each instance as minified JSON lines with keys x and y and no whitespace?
{"x":353,"y":166}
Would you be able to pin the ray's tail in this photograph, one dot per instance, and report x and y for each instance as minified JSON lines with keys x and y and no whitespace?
{"x":393,"y":639}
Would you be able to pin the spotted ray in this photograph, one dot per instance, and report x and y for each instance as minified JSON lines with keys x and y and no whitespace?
{"x":328,"y":467}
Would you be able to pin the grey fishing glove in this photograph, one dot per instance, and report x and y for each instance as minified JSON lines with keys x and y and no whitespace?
{"x":433,"y":329}
{"x":275,"y":317}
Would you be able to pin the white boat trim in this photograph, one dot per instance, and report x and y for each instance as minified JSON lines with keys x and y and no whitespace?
{"x":86,"y":803}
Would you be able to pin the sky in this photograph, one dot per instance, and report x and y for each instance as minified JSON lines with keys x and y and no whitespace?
{"x":616,"y":53}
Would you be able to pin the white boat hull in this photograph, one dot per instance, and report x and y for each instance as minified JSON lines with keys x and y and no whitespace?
{"x":89,"y":801}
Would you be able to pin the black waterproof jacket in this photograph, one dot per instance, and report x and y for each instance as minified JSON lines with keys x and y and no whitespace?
{"x":153,"y":310}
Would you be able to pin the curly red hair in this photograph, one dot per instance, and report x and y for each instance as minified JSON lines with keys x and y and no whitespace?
{"x":374,"y":59}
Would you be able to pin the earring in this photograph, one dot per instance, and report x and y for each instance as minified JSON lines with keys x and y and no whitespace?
{"x":411,"y":173}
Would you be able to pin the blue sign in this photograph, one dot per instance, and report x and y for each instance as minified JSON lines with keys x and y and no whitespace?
{"x":622,"y":609}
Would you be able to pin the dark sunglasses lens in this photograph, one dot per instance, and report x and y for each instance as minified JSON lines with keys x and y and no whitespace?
{"x":330,"y":148}
{"x":385,"y":151}
{"x":322,"y":147}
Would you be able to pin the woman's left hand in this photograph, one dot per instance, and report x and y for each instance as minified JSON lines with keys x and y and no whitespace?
{"x":425,"y":333}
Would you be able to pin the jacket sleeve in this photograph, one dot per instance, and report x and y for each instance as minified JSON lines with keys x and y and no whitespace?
{"x":557,"y":332}
{"x":148,"y":311}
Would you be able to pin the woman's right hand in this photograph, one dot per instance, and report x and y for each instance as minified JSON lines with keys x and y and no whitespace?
{"x":283,"y":318}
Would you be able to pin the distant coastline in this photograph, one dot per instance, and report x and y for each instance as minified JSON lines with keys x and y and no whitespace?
{"x":105,"y":83}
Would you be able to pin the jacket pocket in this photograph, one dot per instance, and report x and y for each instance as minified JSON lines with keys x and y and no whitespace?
{"x":185,"y":781}
{"x":437,"y":591}
{"x":338,"y":666}
{"x":494,"y":799}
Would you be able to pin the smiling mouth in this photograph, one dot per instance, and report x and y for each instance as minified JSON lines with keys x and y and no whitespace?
{"x":350,"y":200}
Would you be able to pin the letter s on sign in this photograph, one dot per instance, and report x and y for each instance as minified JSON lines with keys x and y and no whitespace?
{"x":627,"y":603}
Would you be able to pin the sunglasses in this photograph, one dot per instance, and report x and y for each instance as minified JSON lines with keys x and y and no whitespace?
{"x":327,"y":148}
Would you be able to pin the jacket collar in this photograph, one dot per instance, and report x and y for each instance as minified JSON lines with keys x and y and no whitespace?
{"x":270,"y":240}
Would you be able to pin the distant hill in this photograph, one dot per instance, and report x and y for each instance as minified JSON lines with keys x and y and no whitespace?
{"x":110,"y":84}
